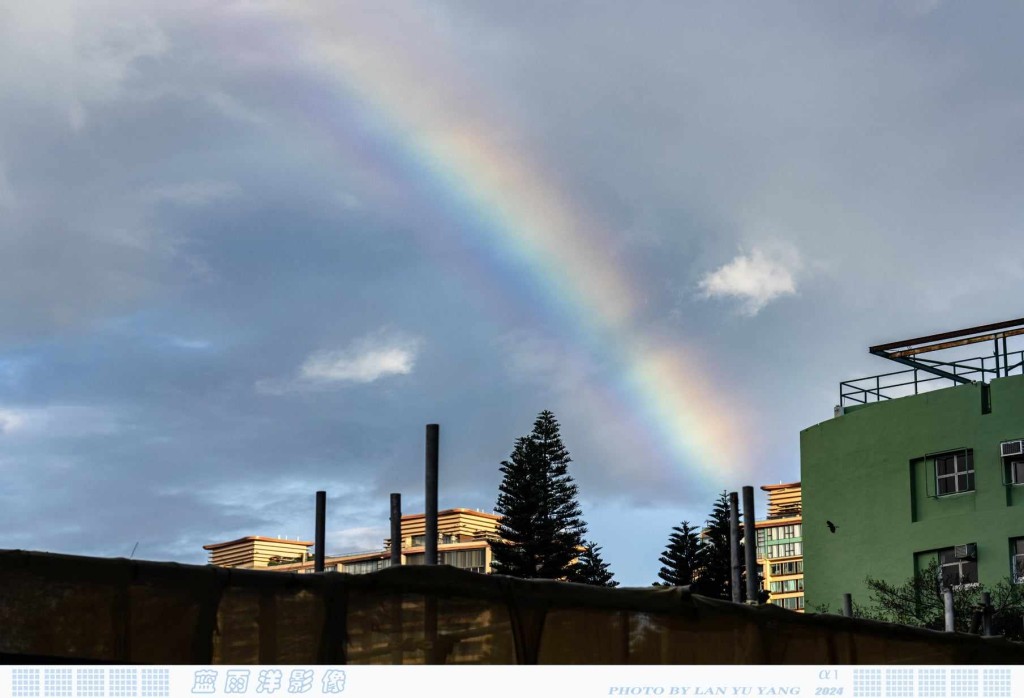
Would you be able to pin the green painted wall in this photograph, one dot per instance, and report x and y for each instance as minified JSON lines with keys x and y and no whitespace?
{"x":866,"y":471}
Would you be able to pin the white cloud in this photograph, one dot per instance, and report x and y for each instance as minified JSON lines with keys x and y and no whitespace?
{"x":756,"y":278}
{"x":185,"y":343}
{"x":366,"y":360}
{"x":11,"y":421}
{"x":57,"y":421}
{"x":356,"y":540}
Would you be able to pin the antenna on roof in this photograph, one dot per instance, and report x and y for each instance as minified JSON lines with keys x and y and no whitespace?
{"x":133,"y":550}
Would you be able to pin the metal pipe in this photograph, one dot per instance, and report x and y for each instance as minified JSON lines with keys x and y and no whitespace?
{"x":848,"y":605}
{"x":734,"y":547}
{"x":986,"y":614}
{"x":947,"y":602}
{"x":321,"y":531}
{"x":750,"y":543}
{"x":396,"y":529}
{"x":430,"y":538}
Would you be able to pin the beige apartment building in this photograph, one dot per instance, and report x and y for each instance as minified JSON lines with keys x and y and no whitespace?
{"x":780,"y":546}
{"x":463,"y":536}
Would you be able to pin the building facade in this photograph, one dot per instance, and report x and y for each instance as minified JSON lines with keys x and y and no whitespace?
{"x":780,"y":546}
{"x":463,"y":536}
{"x":897,"y":484}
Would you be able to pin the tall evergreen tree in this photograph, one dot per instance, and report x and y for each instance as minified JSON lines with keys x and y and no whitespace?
{"x":682,"y":556}
{"x":591,"y":568}
{"x":715,"y":578}
{"x":542,"y":528}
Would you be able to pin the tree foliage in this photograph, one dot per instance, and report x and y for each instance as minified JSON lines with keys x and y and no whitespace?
{"x":541,"y":530}
{"x":704,"y":560}
{"x":682,"y":559}
{"x":715,"y":578}
{"x":591,"y":568}
{"x":919,"y":601}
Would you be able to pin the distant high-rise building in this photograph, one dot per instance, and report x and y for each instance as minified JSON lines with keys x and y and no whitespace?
{"x":780,"y":546}
{"x":463,"y":536}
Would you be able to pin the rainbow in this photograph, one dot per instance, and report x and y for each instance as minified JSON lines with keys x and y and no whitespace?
{"x":513,"y":207}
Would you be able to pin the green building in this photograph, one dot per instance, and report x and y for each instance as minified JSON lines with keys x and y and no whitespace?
{"x":895,"y":482}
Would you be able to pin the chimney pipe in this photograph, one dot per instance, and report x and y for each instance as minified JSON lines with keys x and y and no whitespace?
{"x":321,"y":530}
{"x":430,"y":545}
{"x":396,"y":529}
{"x":750,"y":543}
{"x":734,"y":547}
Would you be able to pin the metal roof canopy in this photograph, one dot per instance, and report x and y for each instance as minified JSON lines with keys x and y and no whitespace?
{"x":904,"y":350}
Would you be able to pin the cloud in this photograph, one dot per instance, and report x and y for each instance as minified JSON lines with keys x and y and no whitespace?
{"x":198,"y":193}
{"x":357,"y":540}
{"x":57,"y":421}
{"x":11,"y":421}
{"x":365,"y":360}
{"x":756,"y":279}
{"x":185,"y":343}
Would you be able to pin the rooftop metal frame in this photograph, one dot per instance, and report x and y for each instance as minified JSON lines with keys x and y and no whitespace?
{"x":909,"y":353}
{"x":906,"y":351}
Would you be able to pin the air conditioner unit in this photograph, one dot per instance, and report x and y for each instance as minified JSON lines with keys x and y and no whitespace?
{"x":965,"y":552}
{"x":1011,"y":448}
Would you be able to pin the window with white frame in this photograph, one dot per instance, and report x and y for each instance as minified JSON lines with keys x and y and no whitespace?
{"x":1017,"y":560}
{"x":1013,"y":461}
{"x":954,"y":472}
{"x":957,"y":567}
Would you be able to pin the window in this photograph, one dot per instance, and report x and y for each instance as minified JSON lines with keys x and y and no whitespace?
{"x":787,"y":586}
{"x":954,"y":572}
{"x":366,"y":566}
{"x":954,"y":472}
{"x":1017,"y":560}
{"x":792,"y":603}
{"x":419,"y":541}
{"x":472,"y":560}
{"x":1013,"y":461}
{"x":784,"y":550}
{"x":1015,"y":472}
{"x":783,"y":568}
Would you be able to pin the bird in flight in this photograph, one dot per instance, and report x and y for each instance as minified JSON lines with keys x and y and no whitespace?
{"x":831,"y":526}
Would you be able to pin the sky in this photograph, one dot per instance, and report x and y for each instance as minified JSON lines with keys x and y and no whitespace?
{"x":249,"y":249}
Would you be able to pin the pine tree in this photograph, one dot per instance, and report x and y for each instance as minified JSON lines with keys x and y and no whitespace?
{"x":591,"y":568}
{"x":715,"y":578}
{"x":541,"y":529}
{"x":682,"y":556}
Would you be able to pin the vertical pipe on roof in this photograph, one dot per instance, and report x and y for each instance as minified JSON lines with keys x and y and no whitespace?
{"x":321,"y":530}
{"x":430,"y":540}
{"x":734,"y":546}
{"x":396,"y":529}
{"x":750,"y":543}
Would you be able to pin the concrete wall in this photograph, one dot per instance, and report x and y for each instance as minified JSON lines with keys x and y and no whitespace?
{"x":868,"y":472}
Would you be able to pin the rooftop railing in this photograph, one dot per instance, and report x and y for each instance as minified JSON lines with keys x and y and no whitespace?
{"x":912,"y":381}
